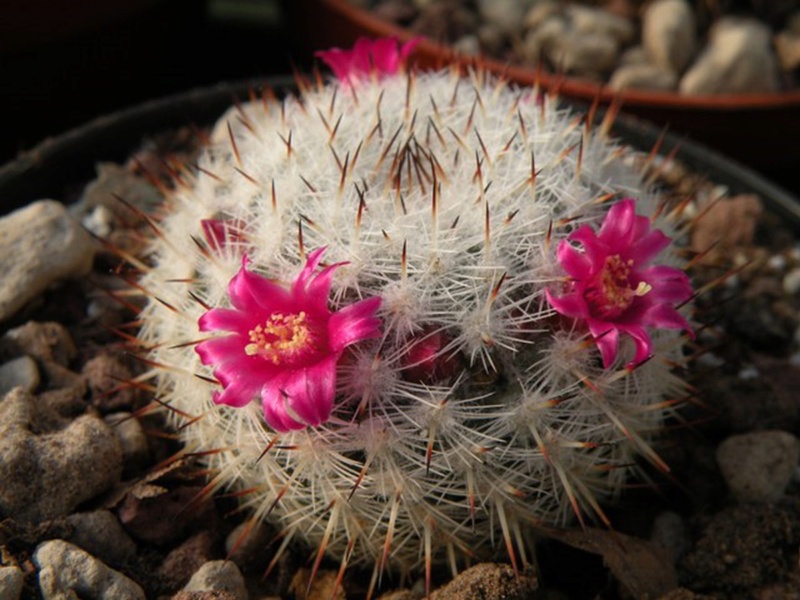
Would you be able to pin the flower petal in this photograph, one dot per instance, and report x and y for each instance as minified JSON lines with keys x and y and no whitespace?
{"x":670,"y":285}
{"x":665,"y":316}
{"x":354,"y":323}
{"x":577,"y":264}
{"x":225,"y":319}
{"x":238,"y":393}
{"x":569,"y":305}
{"x":648,"y":246}
{"x":311,"y":392}
{"x":618,"y":226}
{"x":642,"y":342}
{"x":252,"y":293}
{"x":274,"y":404}
{"x":220,"y":350}
{"x":606,"y":336}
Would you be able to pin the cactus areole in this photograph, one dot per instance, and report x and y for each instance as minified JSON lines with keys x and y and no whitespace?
{"x":404,"y":316}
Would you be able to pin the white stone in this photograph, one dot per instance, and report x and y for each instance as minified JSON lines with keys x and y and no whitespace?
{"x":67,"y":571}
{"x":12,"y":580}
{"x":584,"y":54}
{"x":132,"y":438}
{"x":539,"y":41}
{"x":738,"y":59}
{"x":22,"y":372}
{"x":589,"y":20}
{"x":42,"y":243}
{"x":758,"y":466}
{"x":791,"y":281}
{"x":643,"y":77}
{"x":507,"y":15}
{"x":787,"y":47}
{"x":669,"y":34}
{"x":218,"y":576}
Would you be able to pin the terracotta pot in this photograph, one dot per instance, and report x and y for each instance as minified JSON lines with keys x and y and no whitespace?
{"x":761,"y":130}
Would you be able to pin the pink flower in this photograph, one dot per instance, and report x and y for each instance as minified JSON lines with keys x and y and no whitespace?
{"x":383,"y":56}
{"x":613,"y":289}
{"x":284,"y":344}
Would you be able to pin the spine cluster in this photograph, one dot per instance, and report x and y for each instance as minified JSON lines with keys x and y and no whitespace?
{"x":477,"y":409}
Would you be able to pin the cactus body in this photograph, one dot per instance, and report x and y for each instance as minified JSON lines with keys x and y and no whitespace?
{"x":479,"y":410}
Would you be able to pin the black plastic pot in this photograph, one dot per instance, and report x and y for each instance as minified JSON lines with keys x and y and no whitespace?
{"x":68,"y":159}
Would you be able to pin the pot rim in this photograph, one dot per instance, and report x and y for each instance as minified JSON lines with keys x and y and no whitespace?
{"x":432,"y":52}
{"x":69,"y":159}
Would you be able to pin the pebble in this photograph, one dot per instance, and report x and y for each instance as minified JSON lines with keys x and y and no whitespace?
{"x":47,"y":342}
{"x":540,"y":41}
{"x":105,"y":376}
{"x":165,"y":517}
{"x":758,"y":466}
{"x":183,"y":561}
{"x":642,"y":77}
{"x":586,"y":54}
{"x":506,"y":15}
{"x":218,"y":576}
{"x":489,"y":581}
{"x":99,"y":208}
{"x":66,"y":571}
{"x":671,"y":533}
{"x":791,"y":282}
{"x":738,"y":59}
{"x":132,"y":439}
{"x":247,"y":551}
{"x":47,"y":244}
{"x":100,"y":534}
{"x":787,"y":48}
{"x":669,"y":34}
{"x":12,"y":580}
{"x":20,"y":372}
{"x":50,"y":465}
{"x":324,"y":585}
{"x":590,"y":20}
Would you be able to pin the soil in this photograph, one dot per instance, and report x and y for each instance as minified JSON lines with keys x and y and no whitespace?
{"x":682,"y":535}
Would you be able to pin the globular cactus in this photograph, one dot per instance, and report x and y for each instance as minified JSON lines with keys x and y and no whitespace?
{"x":406,"y":315}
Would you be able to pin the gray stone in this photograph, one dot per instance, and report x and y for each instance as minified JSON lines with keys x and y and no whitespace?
{"x":672,"y":534}
{"x":220,"y":576}
{"x":669,"y":34}
{"x":11,"y":581}
{"x":591,"y":54}
{"x":643,"y":77}
{"x":47,"y":342}
{"x":101,"y":534}
{"x":590,"y":20}
{"x":758,"y":466}
{"x":538,"y":42}
{"x":48,"y":464}
{"x":66,"y":571}
{"x":132,"y":438}
{"x":787,"y":47}
{"x":540,"y":13}
{"x":738,"y":59}
{"x":635,"y":55}
{"x":47,"y":244}
{"x":20,"y":372}
{"x":506,"y":15}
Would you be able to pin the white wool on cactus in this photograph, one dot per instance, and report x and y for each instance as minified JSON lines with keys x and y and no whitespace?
{"x":474,"y":410}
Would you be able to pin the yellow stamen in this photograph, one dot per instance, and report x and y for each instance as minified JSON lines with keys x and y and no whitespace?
{"x":281,"y":336}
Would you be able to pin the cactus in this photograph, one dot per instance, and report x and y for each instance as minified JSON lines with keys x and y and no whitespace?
{"x":515,"y":350}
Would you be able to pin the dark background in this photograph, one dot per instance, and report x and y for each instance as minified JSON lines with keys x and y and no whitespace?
{"x":65,"y":62}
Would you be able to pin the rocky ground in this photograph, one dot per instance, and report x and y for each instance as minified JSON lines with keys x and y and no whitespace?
{"x":97,"y":500}
{"x":690,"y":47}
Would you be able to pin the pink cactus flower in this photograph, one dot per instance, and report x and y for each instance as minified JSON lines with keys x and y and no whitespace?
{"x":284,"y":345}
{"x":383,"y":56}
{"x":613,"y":289}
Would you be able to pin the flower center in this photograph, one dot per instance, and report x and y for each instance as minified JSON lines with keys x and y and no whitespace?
{"x":612,"y":291}
{"x":281,"y":337}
